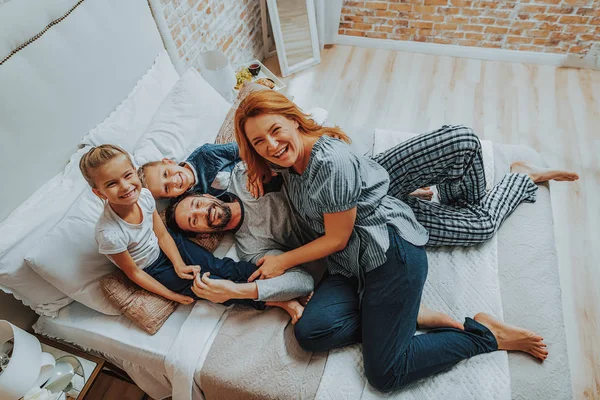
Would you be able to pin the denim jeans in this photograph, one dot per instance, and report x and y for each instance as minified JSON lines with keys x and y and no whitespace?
{"x":237,"y":271}
{"x":386,"y":321}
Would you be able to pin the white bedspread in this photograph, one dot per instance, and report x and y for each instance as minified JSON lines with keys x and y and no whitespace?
{"x":461,"y":282}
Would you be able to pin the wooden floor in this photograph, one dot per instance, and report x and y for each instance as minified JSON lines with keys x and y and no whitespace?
{"x":555,"y":111}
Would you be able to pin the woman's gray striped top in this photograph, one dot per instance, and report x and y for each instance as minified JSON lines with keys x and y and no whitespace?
{"x":336,"y":179}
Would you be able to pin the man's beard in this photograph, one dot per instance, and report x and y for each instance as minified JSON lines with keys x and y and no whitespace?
{"x":225,"y":215}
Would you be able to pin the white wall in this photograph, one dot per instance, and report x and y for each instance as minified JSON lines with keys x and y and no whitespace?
{"x":15,"y":312}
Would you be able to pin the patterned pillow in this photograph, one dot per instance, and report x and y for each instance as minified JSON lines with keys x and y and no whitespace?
{"x":227,"y":132}
{"x":147,"y":310}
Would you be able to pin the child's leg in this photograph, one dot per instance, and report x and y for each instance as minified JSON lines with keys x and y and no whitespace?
{"x":162,"y":270}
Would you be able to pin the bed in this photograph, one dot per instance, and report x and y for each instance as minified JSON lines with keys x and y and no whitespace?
{"x":94,"y":65}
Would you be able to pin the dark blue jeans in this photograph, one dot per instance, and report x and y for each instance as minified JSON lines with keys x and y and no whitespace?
{"x":386,"y":322}
{"x":237,"y":271}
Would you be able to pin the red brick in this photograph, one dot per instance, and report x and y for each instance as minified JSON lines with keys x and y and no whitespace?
{"x":353,"y":18}
{"x":448,"y":10}
{"x":516,"y":32}
{"x":387,"y":14}
{"x":548,"y":1}
{"x":485,"y":4}
{"x":551,"y":27}
{"x":384,"y":28}
{"x":523,"y":25}
{"x":573,"y":19}
{"x":483,"y":21}
{"x":375,"y":20}
{"x":488,"y":45}
{"x":363,"y":27}
{"x":531,"y":48}
{"x":595,"y":38}
{"x":566,"y":37}
{"x":452,"y":34}
{"x":360,"y":4}
{"x":477,"y":36}
{"x":419,"y":24}
{"x":457,"y":19}
{"x":579,"y":49}
{"x":420,"y":39}
{"x":472,"y":28}
{"x":474,"y":12}
{"x":533,"y":9}
{"x":407,"y":31}
{"x":442,"y":40}
{"x":425,"y":32}
{"x":576,"y":2}
{"x":345,"y":25}
{"x":496,"y":30}
{"x":461,"y":3}
{"x":546,"y":17}
{"x":503,"y":22}
{"x":519,"y":40}
{"x":579,"y":28}
{"x":376,"y":5}
{"x":595,"y":21}
{"x":376,"y":35}
{"x":445,"y":27}
{"x":538,"y":33}
{"x":588,"y":11}
{"x":352,"y":32}
{"x":399,"y":22}
{"x":432,"y":18}
{"x":401,"y":7}
{"x":560,"y":10}
{"x":464,"y":42}
{"x":436,"y":2}
{"x":498,"y":14}
{"x":227,"y":43}
{"x":424,"y":9}
{"x":496,"y":38}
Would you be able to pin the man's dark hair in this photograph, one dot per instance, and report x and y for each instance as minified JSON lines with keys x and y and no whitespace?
{"x":170,"y":215}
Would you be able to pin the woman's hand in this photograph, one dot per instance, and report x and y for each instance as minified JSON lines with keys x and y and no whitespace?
{"x":255,"y":188}
{"x":187,"y":271}
{"x":213,"y":290}
{"x":270,"y":267}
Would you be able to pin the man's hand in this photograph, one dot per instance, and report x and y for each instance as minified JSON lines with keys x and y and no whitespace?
{"x":270,"y":267}
{"x":213,"y":290}
{"x":187,"y":271}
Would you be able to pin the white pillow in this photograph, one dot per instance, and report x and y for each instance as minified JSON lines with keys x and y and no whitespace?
{"x":22,"y":230}
{"x":126,"y":124}
{"x":190,"y":116}
{"x":68,"y":256}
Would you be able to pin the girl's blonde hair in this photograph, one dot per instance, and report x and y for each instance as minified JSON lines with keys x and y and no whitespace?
{"x":272,"y":102}
{"x":97,"y":157}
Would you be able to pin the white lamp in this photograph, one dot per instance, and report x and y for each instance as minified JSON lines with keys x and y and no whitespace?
{"x":28,"y":366}
{"x":217,"y":71}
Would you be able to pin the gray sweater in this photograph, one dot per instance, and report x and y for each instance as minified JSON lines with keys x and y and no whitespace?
{"x":271,"y":227}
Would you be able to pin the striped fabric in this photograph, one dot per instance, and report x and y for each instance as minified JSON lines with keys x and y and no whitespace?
{"x":451,"y":158}
{"x":336,"y":180}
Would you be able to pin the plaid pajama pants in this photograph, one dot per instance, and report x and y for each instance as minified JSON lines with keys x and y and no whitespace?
{"x":451,"y":159}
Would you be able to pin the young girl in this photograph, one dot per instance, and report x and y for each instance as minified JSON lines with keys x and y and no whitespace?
{"x":132,"y":235}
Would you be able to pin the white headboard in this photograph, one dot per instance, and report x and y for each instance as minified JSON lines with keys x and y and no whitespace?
{"x":86,"y":58}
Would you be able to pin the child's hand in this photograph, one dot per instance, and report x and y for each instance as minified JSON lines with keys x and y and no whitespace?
{"x":184,"y":300}
{"x":187,"y":271}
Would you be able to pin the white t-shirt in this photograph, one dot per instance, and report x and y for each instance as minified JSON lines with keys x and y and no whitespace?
{"x":115,"y":235}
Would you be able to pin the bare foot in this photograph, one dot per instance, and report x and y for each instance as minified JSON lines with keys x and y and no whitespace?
{"x":539,"y":175}
{"x":292,"y":307}
{"x":424,"y":193}
{"x":513,"y":338}
{"x":305,"y":299}
{"x":430,"y":319}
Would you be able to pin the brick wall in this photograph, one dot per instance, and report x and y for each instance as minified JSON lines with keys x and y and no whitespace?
{"x":550,"y":26}
{"x":232,"y":26}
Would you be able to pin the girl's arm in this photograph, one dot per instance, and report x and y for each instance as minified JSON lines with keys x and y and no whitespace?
{"x":338,"y":228}
{"x":137,"y":275}
{"x":167,"y":244}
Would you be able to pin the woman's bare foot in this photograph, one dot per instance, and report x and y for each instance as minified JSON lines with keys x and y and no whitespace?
{"x":513,"y":338}
{"x":539,"y":175}
{"x":292,"y":307}
{"x":430,"y":319}
{"x":424,"y":193}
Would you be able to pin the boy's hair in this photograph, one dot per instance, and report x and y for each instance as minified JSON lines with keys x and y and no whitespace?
{"x":97,"y":157}
{"x":142,"y":171}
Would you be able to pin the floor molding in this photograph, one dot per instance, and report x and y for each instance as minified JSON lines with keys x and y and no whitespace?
{"x":514,"y":56}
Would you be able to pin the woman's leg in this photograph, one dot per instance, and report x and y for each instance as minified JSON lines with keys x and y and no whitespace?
{"x":449,"y":157}
{"x":331,"y":319}
{"x":470,"y":224}
{"x":393,"y":355}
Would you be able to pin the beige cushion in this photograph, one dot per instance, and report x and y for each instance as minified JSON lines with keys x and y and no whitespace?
{"x":147,"y":310}
{"x":227,"y":132}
